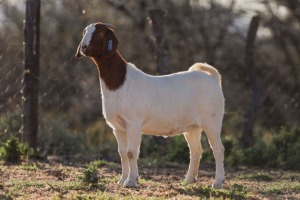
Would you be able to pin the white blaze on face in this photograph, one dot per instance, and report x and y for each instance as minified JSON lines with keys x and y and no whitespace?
{"x":89,"y":30}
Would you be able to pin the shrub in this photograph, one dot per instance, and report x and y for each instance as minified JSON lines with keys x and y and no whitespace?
{"x":178,"y":150}
{"x":151,"y":153}
{"x":10,"y":125}
{"x":175,"y":150}
{"x":90,"y":174}
{"x":13,"y":151}
{"x":285,"y":148}
{"x":257,"y":155}
{"x":283,"y":151}
{"x":233,"y":153}
{"x":56,"y":138}
{"x":101,"y":139}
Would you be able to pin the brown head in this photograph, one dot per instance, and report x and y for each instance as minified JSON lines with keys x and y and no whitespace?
{"x":98,"y":40}
{"x":100,"y":43}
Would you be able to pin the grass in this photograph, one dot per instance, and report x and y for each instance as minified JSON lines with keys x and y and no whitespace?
{"x":284,"y":187}
{"x":259,"y":176}
{"x":292,"y":176}
{"x":103,"y":163}
{"x":57,"y":181}
{"x":30,"y":166}
{"x":236,"y":191}
{"x":65,"y":186}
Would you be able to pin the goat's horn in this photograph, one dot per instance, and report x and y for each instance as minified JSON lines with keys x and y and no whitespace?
{"x":110,"y":26}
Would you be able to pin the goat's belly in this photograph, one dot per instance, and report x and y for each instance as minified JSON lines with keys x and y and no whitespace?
{"x":168,"y":129}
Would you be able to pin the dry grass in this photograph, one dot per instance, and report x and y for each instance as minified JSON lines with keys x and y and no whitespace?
{"x":61,"y":181}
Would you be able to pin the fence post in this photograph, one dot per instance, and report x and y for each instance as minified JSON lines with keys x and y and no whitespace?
{"x":31,"y":74}
{"x":256,"y":96}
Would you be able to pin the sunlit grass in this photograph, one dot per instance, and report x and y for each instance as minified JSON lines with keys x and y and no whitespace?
{"x":236,"y":191}
{"x":260,"y":176}
{"x":283,"y":187}
{"x":62,"y":182}
{"x":292,"y":176}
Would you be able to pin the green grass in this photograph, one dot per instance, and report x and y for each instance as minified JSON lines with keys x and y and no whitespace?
{"x":6,"y":197}
{"x":27,"y":183}
{"x":104,"y":196}
{"x":236,"y":192}
{"x":283,"y":187}
{"x":18,"y":185}
{"x":102,"y":163}
{"x":146,"y":182}
{"x":69,"y":186}
{"x":30,"y":166}
{"x":65,"y":186}
{"x":292,"y":176}
{"x":260,"y":176}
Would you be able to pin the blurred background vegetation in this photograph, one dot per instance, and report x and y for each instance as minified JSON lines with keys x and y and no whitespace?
{"x":209,"y":31}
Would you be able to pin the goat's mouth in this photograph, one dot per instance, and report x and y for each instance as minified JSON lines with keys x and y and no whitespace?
{"x":85,"y":52}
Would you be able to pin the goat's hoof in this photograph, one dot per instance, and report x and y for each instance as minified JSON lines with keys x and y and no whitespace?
{"x":130,"y":184}
{"x":188,"y":181}
{"x":217,"y":184}
{"x":121,"y":181}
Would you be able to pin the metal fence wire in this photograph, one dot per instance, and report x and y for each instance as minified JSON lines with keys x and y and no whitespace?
{"x":196,"y":31}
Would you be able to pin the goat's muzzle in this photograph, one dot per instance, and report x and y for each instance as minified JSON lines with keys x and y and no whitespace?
{"x":78,"y":52}
{"x":81,"y":51}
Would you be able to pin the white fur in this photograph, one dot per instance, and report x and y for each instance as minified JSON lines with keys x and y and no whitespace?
{"x":184,"y":102}
{"x":89,"y":30}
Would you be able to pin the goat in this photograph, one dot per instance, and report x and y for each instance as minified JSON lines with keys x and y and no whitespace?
{"x":135,"y":103}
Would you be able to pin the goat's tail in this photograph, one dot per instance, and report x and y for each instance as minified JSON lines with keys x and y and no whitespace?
{"x":206,"y":68}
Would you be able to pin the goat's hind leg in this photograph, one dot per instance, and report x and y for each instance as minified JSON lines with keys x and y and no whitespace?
{"x":193,"y":139}
{"x":214,"y":138}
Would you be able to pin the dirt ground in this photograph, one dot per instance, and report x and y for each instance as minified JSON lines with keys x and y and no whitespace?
{"x":56,"y":180}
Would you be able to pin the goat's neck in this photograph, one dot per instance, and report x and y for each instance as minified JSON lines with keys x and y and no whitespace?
{"x":112,"y":70}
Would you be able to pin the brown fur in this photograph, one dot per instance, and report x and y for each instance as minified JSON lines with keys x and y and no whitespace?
{"x":111,"y":65}
{"x":130,"y":155}
{"x":112,"y":70}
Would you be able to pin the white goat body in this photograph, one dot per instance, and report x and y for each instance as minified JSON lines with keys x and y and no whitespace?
{"x":184,"y":102}
{"x":134,"y":103}
{"x":164,"y":105}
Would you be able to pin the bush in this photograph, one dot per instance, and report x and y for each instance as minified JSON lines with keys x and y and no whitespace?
{"x":178,"y":150}
{"x":257,"y":155}
{"x":175,"y":150}
{"x":101,"y":139}
{"x":56,"y":138}
{"x":285,"y":148}
{"x":13,"y":151}
{"x":10,"y":125}
{"x":90,"y":174}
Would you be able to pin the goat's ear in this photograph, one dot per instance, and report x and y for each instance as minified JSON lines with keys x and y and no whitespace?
{"x":78,"y":53}
{"x":110,"y":43}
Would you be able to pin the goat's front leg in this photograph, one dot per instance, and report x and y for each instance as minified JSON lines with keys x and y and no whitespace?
{"x":133,"y":146}
{"x":122,"y":148}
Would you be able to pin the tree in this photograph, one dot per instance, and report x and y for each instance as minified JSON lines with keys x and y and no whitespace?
{"x":256,"y":96}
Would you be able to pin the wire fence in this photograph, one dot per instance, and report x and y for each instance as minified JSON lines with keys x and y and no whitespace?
{"x":70,"y":100}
